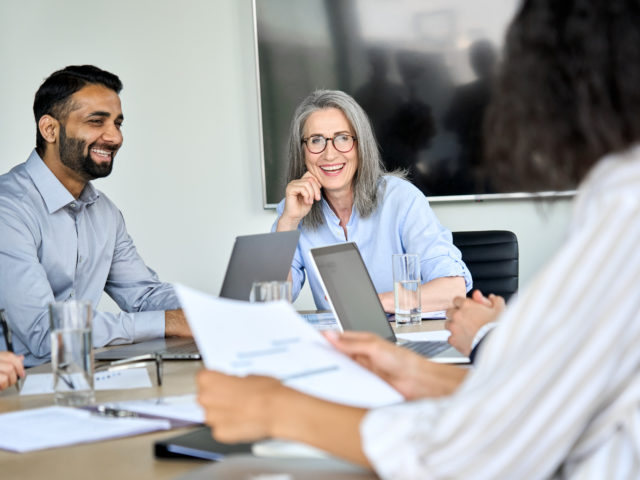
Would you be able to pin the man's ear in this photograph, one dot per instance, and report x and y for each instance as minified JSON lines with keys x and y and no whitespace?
{"x":49,"y":128}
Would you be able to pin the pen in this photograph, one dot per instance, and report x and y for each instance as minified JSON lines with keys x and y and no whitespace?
{"x":135,"y":362}
{"x":108,"y":411}
{"x":7,"y":338}
{"x":67,"y":381}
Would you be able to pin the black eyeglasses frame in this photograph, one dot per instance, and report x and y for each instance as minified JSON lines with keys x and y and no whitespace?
{"x":330,"y":139}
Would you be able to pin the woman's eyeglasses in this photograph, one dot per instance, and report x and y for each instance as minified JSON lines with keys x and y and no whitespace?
{"x":342,"y":142}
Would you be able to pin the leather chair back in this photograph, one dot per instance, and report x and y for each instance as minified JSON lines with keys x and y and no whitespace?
{"x":492,"y":259}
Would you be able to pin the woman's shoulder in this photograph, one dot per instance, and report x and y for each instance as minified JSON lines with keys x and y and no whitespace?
{"x":280,"y":207}
{"x":616,"y":175}
{"x":614,"y":180}
{"x":395,"y":186}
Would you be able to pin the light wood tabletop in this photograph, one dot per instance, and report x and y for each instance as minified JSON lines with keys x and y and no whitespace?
{"x":123,"y":458}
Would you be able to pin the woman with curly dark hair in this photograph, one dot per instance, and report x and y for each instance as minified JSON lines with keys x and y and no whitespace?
{"x":555,"y":392}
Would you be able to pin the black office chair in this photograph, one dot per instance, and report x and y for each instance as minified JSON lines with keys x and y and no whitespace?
{"x":492,"y":259}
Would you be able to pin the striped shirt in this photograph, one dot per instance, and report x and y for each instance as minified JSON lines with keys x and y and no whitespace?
{"x":556,"y":389}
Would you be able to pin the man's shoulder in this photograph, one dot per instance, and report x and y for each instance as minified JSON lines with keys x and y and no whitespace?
{"x":15,"y":187}
{"x":15,"y":178}
{"x":106,"y":205}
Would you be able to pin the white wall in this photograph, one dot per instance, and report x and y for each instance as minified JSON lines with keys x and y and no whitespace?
{"x":188,"y":176}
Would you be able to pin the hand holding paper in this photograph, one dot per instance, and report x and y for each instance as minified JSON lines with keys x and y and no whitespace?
{"x":240,"y":338}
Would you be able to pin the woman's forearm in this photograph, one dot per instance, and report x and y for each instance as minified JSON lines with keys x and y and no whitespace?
{"x":438,"y":294}
{"x":434,"y":380}
{"x":335,"y":428}
{"x":328,"y":426}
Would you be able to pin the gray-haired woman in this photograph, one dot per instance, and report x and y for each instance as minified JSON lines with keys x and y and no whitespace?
{"x":339,"y":191}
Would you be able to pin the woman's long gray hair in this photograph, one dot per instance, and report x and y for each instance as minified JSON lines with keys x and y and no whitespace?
{"x":370,"y":167}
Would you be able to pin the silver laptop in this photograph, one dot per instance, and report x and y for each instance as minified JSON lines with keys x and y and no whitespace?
{"x":355,"y":302}
{"x":258,"y":258}
{"x":254,"y":258}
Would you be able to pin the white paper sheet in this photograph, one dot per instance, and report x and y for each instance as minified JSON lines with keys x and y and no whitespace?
{"x":181,"y":407}
{"x":321,"y":321}
{"x":42,"y":383}
{"x":36,"y":429}
{"x":433,"y":336}
{"x":241,"y":338}
{"x":286,"y":449}
{"x":435,"y":315}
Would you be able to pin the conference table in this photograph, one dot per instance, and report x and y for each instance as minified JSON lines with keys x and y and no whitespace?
{"x":132,"y":457}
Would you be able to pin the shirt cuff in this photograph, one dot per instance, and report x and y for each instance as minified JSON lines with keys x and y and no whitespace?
{"x":484,"y":330}
{"x":450,"y":269}
{"x":148,"y":325}
{"x":395,"y":438}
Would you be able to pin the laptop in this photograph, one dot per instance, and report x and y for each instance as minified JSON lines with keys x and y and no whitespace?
{"x":258,"y":258}
{"x":355,"y":303}
{"x":254,"y":258}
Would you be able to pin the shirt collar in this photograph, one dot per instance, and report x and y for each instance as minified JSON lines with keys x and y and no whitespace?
{"x":54,"y":193}
{"x":330,"y":215}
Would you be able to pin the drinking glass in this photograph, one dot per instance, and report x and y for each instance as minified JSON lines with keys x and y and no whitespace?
{"x":270,"y":291}
{"x":406,"y":288}
{"x":72,"y":352}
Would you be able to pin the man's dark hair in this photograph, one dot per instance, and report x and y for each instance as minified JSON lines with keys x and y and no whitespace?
{"x":54,"y":95}
{"x":567,"y":93}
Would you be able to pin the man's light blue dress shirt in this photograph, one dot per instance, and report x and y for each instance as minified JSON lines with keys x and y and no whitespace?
{"x":56,"y":248}
{"x":402,"y":223}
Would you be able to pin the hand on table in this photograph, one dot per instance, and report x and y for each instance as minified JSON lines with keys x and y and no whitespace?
{"x":11,"y":369}
{"x":388,"y":302}
{"x":175,"y":324}
{"x":468,"y":315}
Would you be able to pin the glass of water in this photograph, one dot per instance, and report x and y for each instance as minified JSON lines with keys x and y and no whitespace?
{"x":72,"y":361}
{"x":270,"y":291}
{"x":406,"y":288}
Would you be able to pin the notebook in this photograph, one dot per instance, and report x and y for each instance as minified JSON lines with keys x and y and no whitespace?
{"x":355,"y":303}
{"x":254,"y":258}
{"x":198,"y":444}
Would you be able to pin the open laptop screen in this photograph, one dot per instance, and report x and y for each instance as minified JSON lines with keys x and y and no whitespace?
{"x":258,"y":258}
{"x":350,"y":290}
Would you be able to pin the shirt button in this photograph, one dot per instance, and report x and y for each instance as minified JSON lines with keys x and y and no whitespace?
{"x":72,"y":205}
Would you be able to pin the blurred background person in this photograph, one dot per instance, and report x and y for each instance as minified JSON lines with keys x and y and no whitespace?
{"x":555,"y":392}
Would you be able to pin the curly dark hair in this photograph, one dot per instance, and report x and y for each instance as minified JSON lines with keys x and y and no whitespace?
{"x":567,"y":92}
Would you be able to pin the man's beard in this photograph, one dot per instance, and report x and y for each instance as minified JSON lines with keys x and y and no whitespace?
{"x":72,"y":155}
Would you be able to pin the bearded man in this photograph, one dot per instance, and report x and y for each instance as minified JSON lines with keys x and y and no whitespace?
{"x":60,"y":238}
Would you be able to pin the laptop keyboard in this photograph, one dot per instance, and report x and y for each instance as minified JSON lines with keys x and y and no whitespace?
{"x":170,"y":349}
{"x":186,"y":349}
{"x":427,"y":349}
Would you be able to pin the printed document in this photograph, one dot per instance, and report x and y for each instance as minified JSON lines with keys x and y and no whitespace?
{"x":42,"y":383}
{"x":240,"y":338}
{"x":28,"y":430}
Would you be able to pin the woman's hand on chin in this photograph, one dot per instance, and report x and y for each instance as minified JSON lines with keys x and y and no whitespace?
{"x":299,"y":197}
